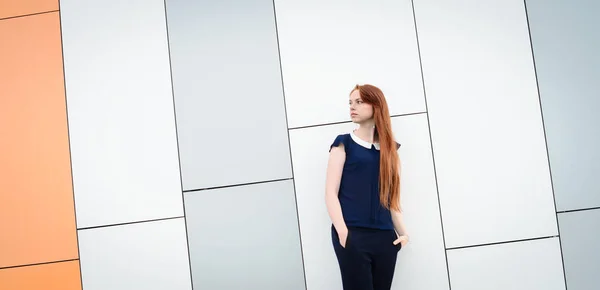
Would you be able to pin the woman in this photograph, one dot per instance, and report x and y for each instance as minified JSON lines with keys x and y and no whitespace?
{"x":363,"y":195}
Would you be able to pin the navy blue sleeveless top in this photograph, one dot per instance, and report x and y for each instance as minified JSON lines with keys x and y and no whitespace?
{"x":359,"y":186}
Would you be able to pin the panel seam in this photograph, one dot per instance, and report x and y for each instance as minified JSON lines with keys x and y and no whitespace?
{"x":177,"y":142}
{"x":431,"y":144}
{"x":289,"y":145}
{"x":545,"y":140}
{"x":64,"y":71}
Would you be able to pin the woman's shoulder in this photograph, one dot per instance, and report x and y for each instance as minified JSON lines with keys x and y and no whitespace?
{"x":340,"y":139}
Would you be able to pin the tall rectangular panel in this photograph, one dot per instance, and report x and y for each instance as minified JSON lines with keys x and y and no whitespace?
{"x":566,"y":44}
{"x":328,"y":46}
{"x":54,"y":276}
{"x":149,"y":255}
{"x":37,"y":218}
{"x":12,"y":8}
{"x":421,"y":264}
{"x":486,"y":126}
{"x":517,"y":266}
{"x":227,"y":84}
{"x":579,"y":236}
{"x":121,"y":116}
{"x":262,"y":252}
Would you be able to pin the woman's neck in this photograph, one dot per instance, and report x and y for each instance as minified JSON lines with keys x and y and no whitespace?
{"x":366,"y":131}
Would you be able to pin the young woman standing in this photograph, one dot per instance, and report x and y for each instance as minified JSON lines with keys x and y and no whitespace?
{"x":363,"y":195}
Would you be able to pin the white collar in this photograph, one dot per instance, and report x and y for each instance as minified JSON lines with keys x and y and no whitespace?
{"x":362,"y":142}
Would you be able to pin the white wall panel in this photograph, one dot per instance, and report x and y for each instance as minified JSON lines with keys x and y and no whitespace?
{"x":485,"y":119}
{"x":422,"y":264}
{"x":516,"y":266}
{"x":149,"y":255}
{"x":120,"y":109}
{"x":328,"y":46}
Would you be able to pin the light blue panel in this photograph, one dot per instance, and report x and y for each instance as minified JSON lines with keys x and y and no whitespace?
{"x":120,"y":109}
{"x":228,"y":93}
{"x":579,"y":235}
{"x":245,"y":237}
{"x":566,"y":45}
{"x":149,"y":256}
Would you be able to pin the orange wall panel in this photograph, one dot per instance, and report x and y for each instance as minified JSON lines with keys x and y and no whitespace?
{"x":37,"y":219}
{"x":11,"y":8}
{"x":55,"y":276}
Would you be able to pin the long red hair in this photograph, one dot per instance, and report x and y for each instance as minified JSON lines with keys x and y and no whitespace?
{"x":389,"y":179}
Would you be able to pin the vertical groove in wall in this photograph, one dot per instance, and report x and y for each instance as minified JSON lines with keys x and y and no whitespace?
{"x":69,"y":140}
{"x":289,"y":145}
{"x":187,"y":240}
{"x":545,"y":140}
{"x":431,"y":143}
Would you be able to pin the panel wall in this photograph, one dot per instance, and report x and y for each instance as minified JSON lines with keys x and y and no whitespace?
{"x":150,"y":255}
{"x":579,"y":237}
{"x":565,"y":42}
{"x":228,"y":93}
{"x":422,"y":265}
{"x":122,"y":126}
{"x":37,"y":217}
{"x":517,"y":266}
{"x":488,"y":138}
{"x":245,"y":237}
{"x":54,"y":276}
{"x":13,"y":8}
{"x":328,"y":46}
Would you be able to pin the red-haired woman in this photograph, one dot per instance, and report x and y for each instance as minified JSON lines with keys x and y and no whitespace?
{"x":363,"y":194}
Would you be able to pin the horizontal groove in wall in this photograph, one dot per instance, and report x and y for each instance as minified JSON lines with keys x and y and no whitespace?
{"x":501,"y":243}
{"x":32,"y":14}
{"x":236,"y":185}
{"x":38,"y":264}
{"x":129,"y":223}
{"x":577,"y":210}
{"x":344,"y":122}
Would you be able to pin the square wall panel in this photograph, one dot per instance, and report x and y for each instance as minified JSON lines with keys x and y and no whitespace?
{"x":328,"y":46}
{"x":579,"y":236}
{"x":486,"y":125}
{"x":121,"y":116}
{"x":422,"y":264}
{"x":516,"y":266}
{"x":565,"y":41}
{"x":150,"y":255}
{"x":245,"y":237}
{"x":230,"y":110}
{"x":53,"y":276}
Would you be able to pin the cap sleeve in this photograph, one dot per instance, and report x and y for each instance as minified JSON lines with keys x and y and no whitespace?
{"x":340,"y":139}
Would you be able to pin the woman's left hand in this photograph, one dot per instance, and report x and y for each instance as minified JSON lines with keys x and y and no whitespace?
{"x":401,"y":239}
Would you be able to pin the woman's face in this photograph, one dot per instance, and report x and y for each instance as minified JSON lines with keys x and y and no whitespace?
{"x":359,"y":110}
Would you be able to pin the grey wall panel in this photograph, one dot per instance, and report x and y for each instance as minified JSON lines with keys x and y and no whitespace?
{"x":579,"y":235}
{"x":565,"y":41}
{"x":420,"y":265}
{"x":328,"y":46}
{"x":517,"y":266}
{"x":120,"y":109}
{"x":228,"y":94}
{"x":245,"y":237}
{"x":149,"y":255}
{"x":486,"y":126}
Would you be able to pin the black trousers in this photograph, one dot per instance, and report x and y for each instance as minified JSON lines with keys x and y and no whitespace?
{"x":369,"y":259}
